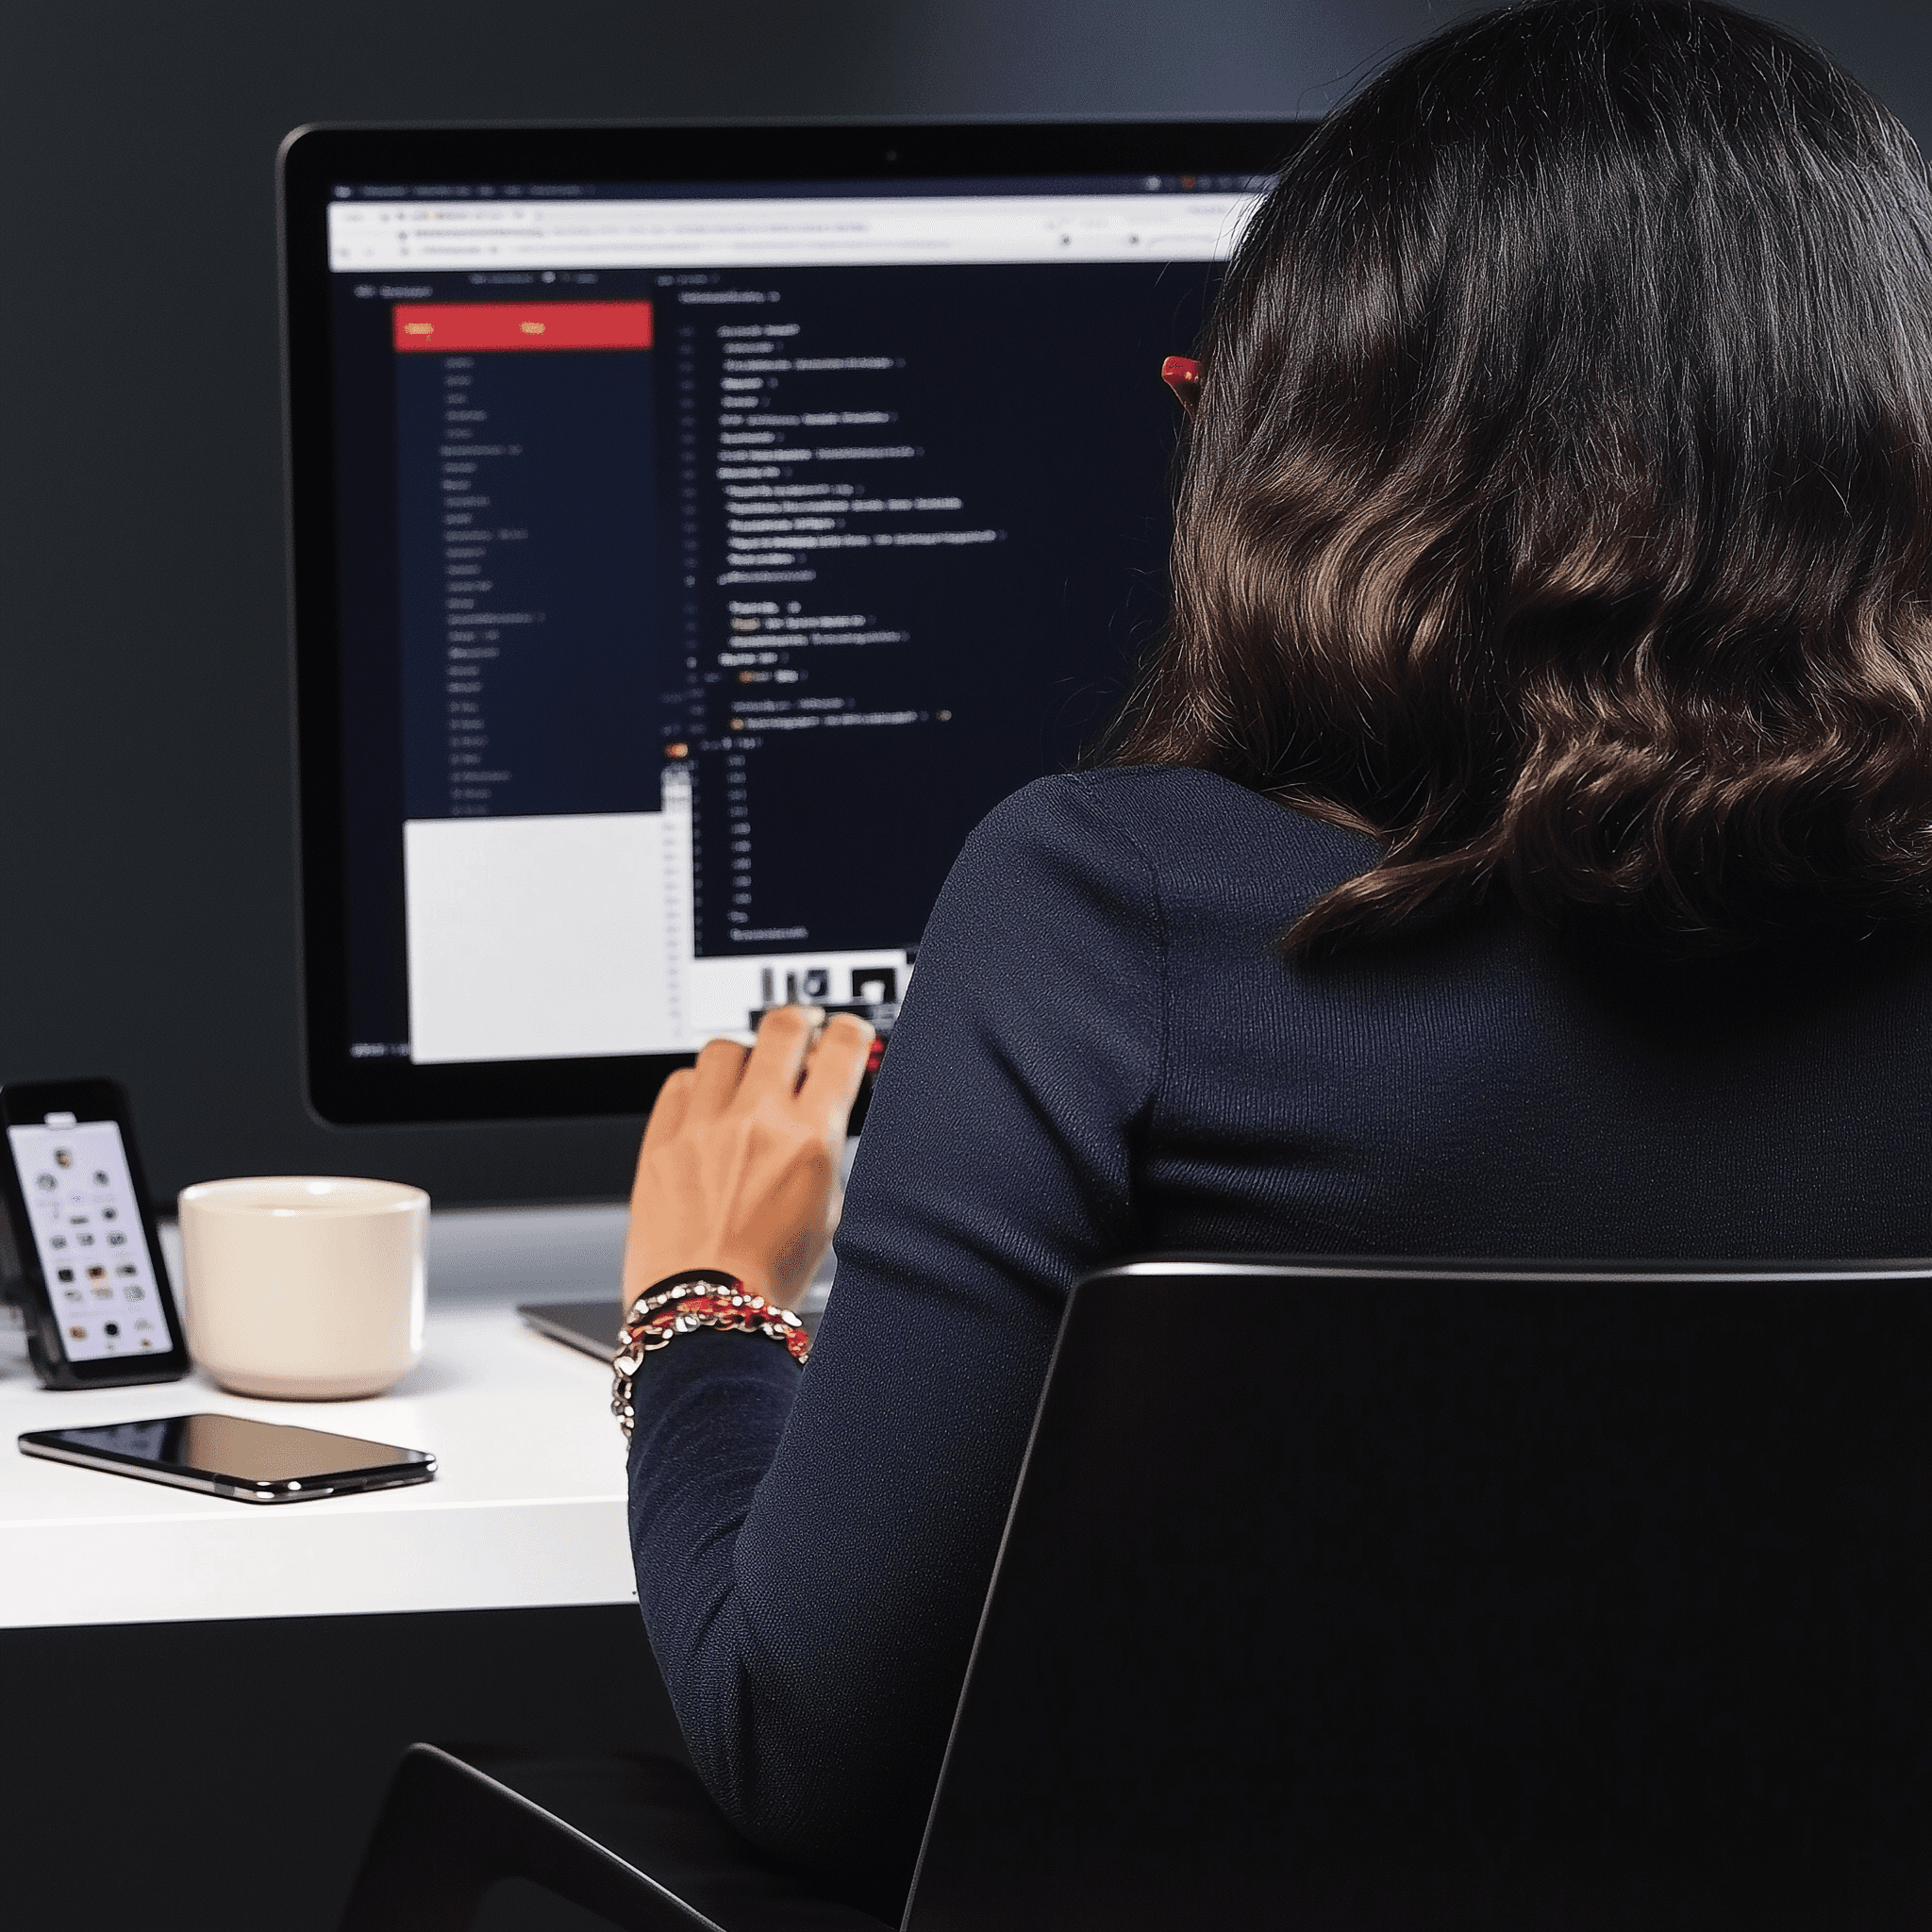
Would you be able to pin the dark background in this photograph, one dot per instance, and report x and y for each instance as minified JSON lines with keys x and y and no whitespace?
{"x":223,"y":1778}
{"x":145,"y":734}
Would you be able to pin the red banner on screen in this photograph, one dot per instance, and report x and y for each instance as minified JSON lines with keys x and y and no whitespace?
{"x":444,"y":327}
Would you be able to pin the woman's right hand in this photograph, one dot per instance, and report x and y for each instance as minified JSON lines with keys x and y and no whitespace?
{"x":738,"y":1171}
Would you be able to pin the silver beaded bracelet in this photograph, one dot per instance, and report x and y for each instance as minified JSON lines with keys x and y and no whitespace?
{"x":683,"y":1303}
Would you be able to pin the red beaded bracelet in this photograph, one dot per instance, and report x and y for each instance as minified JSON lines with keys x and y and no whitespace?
{"x":683,"y":1303}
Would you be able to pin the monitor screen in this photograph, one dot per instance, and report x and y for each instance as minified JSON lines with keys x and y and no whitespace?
{"x":688,"y":555}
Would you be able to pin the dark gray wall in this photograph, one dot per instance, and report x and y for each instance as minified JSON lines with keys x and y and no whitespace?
{"x":144,"y":750}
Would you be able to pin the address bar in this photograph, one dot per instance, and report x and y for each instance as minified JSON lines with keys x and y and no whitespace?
{"x":829,"y":232}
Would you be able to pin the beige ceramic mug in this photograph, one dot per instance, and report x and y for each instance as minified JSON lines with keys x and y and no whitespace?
{"x":305,"y":1286}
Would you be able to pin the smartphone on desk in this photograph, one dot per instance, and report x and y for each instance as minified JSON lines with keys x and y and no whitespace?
{"x":236,"y":1456}
{"x":78,"y":1248}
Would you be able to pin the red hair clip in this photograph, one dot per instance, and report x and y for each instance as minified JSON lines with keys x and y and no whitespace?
{"x":1182,"y":374}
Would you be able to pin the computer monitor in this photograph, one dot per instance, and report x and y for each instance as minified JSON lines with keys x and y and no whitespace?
{"x":695,"y":531}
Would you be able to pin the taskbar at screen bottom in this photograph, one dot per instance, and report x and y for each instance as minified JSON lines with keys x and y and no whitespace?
{"x":396,"y":1092}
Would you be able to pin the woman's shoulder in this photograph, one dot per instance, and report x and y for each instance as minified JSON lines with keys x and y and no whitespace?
{"x":1189,"y":835}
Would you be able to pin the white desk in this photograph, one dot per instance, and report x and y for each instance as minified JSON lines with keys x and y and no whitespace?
{"x":526,"y":1508}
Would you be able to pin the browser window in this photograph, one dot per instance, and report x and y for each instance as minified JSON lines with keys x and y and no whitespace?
{"x":711,"y":562}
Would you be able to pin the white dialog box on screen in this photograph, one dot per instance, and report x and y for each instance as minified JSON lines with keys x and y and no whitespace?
{"x":545,"y":937}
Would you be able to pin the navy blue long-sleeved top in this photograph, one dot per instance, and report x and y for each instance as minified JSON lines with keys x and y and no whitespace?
{"x":1104,"y":1051}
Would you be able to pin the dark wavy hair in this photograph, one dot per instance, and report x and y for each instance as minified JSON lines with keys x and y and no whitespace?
{"x":1557,"y":504}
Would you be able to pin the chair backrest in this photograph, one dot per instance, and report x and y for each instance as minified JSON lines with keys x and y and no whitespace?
{"x":1375,"y":1595}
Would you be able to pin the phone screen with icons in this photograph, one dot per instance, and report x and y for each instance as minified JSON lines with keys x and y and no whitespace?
{"x":77,"y":1242}
{"x":87,"y":1232}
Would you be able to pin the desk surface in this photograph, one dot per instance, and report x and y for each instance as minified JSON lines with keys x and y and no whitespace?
{"x":526,"y":1510}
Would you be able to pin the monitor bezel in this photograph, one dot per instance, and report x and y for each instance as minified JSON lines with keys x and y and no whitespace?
{"x":392,"y":1091}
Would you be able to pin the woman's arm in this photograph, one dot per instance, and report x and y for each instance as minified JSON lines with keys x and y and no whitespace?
{"x":813,"y":1549}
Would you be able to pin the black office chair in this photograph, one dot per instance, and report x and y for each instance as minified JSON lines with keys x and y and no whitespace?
{"x":1380,"y":1595}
